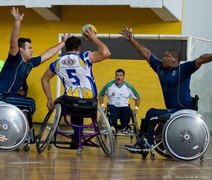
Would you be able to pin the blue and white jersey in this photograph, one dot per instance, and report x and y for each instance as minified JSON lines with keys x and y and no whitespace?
{"x":75,"y":72}
{"x":119,"y":95}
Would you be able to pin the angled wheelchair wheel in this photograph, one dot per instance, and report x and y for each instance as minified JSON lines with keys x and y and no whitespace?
{"x":135,"y":125}
{"x":105,"y":135}
{"x":185,"y":135}
{"x":13,"y":127}
{"x":158,"y":141}
{"x":48,"y":128}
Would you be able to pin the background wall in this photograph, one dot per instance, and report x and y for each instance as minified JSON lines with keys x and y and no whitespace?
{"x":197,"y":23}
{"x":107,"y":19}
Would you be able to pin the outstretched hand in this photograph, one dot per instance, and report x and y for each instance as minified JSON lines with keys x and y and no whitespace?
{"x":66,"y":36}
{"x":16,"y":15}
{"x":126,"y":33}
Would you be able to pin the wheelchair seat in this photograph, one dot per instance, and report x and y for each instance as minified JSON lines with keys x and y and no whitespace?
{"x":50,"y":131}
{"x":13,"y":127}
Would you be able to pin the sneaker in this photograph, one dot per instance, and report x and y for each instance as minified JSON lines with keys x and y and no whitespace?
{"x":126,"y":130}
{"x":138,"y":148}
{"x":73,"y":144}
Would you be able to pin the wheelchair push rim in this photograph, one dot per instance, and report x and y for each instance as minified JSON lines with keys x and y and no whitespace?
{"x":105,"y":135}
{"x":158,"y":141}
{"x":186,"y":136}
{"x":48,"y":128}
{"x":13,"y":127}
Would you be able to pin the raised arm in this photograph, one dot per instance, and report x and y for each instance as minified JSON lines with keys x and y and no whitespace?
{"x":103,"y":51}
{"x":127,"y":35}
{"x":45,"y":81}
{"x":15,"y":31}
{"x":205,"y":58}
{"x":49,"y":53}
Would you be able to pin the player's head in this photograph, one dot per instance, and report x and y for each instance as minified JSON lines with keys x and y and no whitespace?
{"x":25,"y":48}
{"x":73,"y":44}
{"x":119,"y":76}
{"x":171,"y":59}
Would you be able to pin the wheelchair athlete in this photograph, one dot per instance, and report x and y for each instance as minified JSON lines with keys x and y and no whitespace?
{"x":75,"y":71}
{"x":17,"y":67}
{"x":175,"y":81}
{"x":118,"y":92}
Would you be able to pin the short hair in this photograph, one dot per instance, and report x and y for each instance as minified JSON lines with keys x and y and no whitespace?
{"x":175,"y":54}
{"x":72,"y":43}
{"x":22,"y":41}
{"x":120,"y":70}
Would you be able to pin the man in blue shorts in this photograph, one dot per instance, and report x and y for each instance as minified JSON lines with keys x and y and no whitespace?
{"x":118,"y":92}
{"x":17,"y":67}
{"x":175,"y":81}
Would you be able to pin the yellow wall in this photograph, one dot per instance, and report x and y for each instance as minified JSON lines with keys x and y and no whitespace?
{"x":107,"y":20}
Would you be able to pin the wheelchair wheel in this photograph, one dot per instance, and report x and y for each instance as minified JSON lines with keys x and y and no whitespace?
{"x":135,"y":125}
{"x":13,"y":127}
{"x":105,"y":135}
{"x":185,"y":135}
{"x":158,"y":141}
{"x":48,"y":128}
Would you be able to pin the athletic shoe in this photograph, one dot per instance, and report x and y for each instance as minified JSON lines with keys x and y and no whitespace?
{"x":126,"y":130}
{"x":138,"y":148}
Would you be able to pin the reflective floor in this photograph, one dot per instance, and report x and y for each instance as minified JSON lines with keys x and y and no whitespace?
{"x":92,"y":164}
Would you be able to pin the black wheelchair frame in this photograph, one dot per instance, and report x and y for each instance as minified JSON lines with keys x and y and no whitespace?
{"x":183,"y":125}
{"x":133,"y":125}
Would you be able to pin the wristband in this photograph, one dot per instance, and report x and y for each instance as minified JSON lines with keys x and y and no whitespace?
{"x":102,"y":105}
{"x":136,"y":107}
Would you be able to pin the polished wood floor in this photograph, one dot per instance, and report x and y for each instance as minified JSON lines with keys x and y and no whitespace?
{"x":60,"y":164}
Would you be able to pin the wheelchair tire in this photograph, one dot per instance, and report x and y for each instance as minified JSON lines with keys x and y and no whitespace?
{"x":186,"y":136}
{"x":13,"y":127}
{"x":160,"y":149}
{"x":135,"y":125}
{"x":105,"y":135}
{"x":48,"y":128}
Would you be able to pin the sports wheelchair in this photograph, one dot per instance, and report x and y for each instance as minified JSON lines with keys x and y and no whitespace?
{"x":183,"y":136}
{"x":52,"y":131}
{"x":133,"y":129}
{"x":14,"y":128}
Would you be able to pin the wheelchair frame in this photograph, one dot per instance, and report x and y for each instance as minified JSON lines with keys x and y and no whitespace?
{"x":133,"y":125}
{"x":49,"y":131}
{"x":183,"y":133}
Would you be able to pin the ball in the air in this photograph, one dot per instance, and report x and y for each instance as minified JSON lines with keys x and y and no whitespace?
{"x":88,"y":26}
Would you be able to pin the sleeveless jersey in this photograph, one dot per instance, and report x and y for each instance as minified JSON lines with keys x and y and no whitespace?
{"x":75,"y":72}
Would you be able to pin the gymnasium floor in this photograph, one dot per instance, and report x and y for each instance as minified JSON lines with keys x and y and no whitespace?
{"x":92,"y":164}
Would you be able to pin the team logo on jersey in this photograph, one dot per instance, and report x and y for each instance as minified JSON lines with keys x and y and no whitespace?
{"x":68,"y":61}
